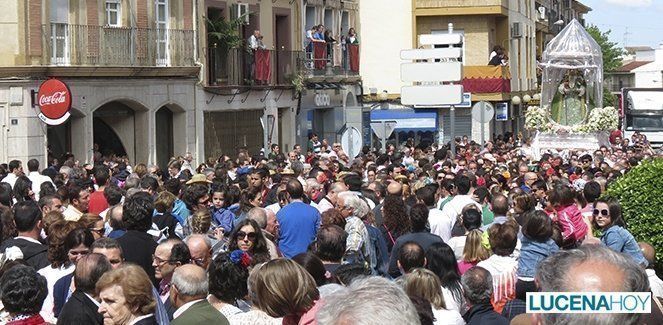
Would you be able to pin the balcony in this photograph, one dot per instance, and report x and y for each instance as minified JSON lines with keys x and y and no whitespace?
{"x":485,"y":80}
{"x":325,"y":62}
{"x":241,"y":67}
{"x":112,"y":48}
{"x":461,"y":7}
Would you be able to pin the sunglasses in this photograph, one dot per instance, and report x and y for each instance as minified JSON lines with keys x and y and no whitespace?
{"x":603,"y":212}
{"x":249,"y":235}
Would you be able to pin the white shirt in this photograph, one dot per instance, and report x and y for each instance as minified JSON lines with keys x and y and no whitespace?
{"x":93,"y":300}
{"x":184,"y":307}
{"x":452,"y":304}
{"x":138,"y":319}
{"x":30,"y":239}
{"x":71,"y":213}
{"x":655,"y":283}
{"x":253,"y":42}
{"x":274,"y":207}
{"x":440,"y":224}
{"x":325,"y":205}
{"x":52,"y":275}
{"x":446,"y":316}
{"x":457,"y":244}
{"x":37,"y":179}
{"x":11,"y":179}
{"x":453,"y":209}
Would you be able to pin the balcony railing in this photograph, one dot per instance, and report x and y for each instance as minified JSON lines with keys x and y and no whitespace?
{"x":83,"y":45}
{"x":242,"y":67}
{"x":332,"y":60}
{"x":486,"y":79}
{"x":419,"y":4}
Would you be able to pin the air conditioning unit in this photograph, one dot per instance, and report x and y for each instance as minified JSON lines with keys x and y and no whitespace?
{"x":516,"y":30}
{"x":542,"y":14}
{"x":240,"y":10}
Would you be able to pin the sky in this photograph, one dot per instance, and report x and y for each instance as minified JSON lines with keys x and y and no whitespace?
{"x":639,"y":22}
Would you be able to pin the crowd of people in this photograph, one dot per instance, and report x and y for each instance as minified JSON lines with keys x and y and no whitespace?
{"x":414,"y":235}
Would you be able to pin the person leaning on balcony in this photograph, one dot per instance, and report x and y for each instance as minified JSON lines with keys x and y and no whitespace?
{"x":499,"y":59}
{"x":352,"y":37}
{"x":255,"y":41}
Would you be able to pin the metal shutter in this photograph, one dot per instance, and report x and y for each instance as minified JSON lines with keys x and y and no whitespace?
{"x":463,"y":125}
{"x":226,"y":132}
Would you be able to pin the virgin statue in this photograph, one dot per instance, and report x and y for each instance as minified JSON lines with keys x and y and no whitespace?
{"x":569,"y":106}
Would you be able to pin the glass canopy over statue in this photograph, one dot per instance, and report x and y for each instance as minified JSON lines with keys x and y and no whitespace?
{"x":572,"y":83}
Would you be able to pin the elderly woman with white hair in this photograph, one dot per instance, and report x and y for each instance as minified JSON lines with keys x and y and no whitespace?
{"x":353,"y":210}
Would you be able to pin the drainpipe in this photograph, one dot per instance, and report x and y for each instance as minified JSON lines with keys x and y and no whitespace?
{"x":197,"y":111}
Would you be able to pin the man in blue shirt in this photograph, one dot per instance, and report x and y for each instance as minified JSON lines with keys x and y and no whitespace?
{"x":299,"y":222}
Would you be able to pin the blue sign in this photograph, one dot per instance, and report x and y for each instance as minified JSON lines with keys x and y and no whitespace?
{"x":467,"y":101}
{"x":502,"y":111}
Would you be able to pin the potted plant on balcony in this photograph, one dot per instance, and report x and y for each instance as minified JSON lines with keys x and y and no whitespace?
{"x":222,"y":36}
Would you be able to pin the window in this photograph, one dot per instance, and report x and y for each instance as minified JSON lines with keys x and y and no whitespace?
{"x":59,"y":18}
{"x":113,"y":13}
{"x":162,"y":32}
{"x":59,"y":44}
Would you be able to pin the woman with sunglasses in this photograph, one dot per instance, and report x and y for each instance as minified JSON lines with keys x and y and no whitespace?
{"x":608,"y":217}
{"x":249,"y":238}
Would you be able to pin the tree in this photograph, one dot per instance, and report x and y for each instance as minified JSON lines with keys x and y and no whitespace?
{"x":226,"y":33}
{"x":612,"y":58}
{"x":612,"y":54}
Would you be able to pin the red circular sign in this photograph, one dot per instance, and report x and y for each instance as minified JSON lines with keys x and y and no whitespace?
{"x":54,"y":99}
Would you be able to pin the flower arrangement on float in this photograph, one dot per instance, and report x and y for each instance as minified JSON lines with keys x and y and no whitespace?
{"x":599,"y":119}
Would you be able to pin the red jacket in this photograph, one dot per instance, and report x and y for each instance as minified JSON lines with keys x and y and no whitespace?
{"x":33,"y":320}
{"x":572,"y":225}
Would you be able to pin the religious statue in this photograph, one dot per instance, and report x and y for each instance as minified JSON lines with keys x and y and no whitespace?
{"x":569,"y":107}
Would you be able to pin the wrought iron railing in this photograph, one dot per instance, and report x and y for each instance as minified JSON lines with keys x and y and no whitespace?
{"x":244,"y":67}
{"x":84,"y":45}
{"x":324,"y":59}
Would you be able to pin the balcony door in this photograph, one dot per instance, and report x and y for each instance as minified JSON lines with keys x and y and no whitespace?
{"x":59,"y":18}
{"x":161,"y":18}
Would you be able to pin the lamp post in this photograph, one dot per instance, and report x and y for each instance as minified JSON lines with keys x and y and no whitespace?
{"x":516,"y":101}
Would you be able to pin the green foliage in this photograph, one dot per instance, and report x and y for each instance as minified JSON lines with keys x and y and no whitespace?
{"x":225,"y":33}
{"x":611,"y":52}
{"x":640,"y":193}
{"x":608,"y":98}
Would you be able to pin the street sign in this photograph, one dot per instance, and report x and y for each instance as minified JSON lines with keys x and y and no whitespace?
{"x":425,"y":54}
{"x":467,"y":102}
{"x":383,"y":129}
{"x":483,"y":112}
{"x":502,"y":111}
{"x":432,"y":95}
{"x":351,"y":142}
{"x":433,"y":81}
{"x":438,"y":39}
{"x":433,"y":71}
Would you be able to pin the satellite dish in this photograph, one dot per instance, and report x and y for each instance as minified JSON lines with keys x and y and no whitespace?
{"x":351,"y":142}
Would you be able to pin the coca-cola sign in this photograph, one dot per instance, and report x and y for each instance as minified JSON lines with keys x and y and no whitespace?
{"x":54,"y":100}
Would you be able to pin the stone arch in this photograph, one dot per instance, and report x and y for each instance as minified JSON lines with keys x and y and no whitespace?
{"x":350,"y":99}
{"x":170,"y":130}
{"x":129,"y":120}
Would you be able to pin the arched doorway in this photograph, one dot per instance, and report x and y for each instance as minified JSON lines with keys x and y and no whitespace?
{"x":170,"y":133}
{"x":164,"y":136}
{"x":107,"y":141}
{"x":59,"y":137}
{"x":121,"y":128}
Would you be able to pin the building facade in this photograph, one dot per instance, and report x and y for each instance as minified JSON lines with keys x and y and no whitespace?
{"x":330,"y":100}
{"x":155,"y":79}
{"x":520,"y":27}
{"x":244,"y":107}
{"x":130,"y":67}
